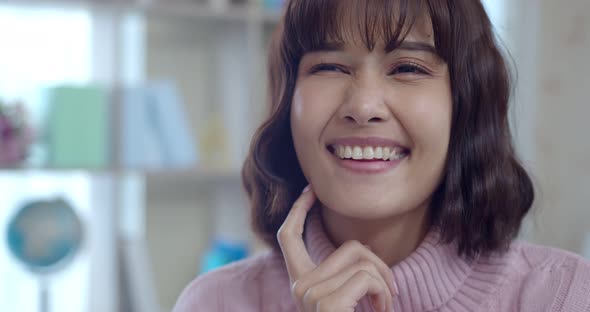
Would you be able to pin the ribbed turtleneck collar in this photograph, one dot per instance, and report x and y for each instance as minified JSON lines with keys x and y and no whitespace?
{"x":431,"y":277}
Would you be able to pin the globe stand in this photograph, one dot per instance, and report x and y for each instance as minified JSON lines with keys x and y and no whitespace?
{"x":43,"y":294}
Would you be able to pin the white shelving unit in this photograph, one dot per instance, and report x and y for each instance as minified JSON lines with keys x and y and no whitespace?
{"x":216,"y":57}
{"x":223,"y":61}
{"x":250,"y":11}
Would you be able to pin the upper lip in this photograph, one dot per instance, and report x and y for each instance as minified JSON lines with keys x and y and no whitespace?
{"x":366,"y":141}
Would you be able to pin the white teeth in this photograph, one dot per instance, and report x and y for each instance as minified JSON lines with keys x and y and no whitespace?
{"x":347,"y":152}
{"x":357,"y":153}
{"x":368,"y":152}
{"x":379,"y":152}
{"x":386,"y":153}
{"x":340,"y":151}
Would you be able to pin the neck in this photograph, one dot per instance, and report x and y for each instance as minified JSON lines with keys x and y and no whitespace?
{"x":392,"y":239}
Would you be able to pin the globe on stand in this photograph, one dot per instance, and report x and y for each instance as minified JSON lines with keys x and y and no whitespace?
{"x":44,"y":236}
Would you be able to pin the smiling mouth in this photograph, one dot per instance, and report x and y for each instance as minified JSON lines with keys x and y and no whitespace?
{"x":369,"y":153}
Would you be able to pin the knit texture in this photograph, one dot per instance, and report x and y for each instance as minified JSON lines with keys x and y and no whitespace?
{"x":433,"y":278}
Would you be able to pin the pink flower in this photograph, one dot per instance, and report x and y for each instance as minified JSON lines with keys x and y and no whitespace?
{"x":15,"y":136}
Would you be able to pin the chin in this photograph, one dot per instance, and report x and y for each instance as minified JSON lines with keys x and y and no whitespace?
{"x":359,"y":209}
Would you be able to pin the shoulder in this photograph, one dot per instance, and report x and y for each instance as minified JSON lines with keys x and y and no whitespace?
{"x":549,"y":260}
{"x":239,"y":284}
{"x":549,"y":277}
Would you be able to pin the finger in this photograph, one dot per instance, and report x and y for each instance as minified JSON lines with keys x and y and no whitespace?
{"x":315,"y":293}
{"x":345,"y":256}
{"x":346,"y":297}
{"x":290,"y":237}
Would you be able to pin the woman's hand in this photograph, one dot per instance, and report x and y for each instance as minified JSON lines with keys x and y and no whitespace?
{"x":338,"y":283}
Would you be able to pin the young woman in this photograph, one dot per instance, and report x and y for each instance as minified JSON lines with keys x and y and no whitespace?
{"x":393,"y":113}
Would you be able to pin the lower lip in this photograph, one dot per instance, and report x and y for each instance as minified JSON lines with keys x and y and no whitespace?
{"x":368,"y":166}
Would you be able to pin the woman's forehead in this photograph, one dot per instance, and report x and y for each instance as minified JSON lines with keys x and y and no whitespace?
{"x":414,"y":38}
{"x":368,"y":23}
{"x":418,"y":37}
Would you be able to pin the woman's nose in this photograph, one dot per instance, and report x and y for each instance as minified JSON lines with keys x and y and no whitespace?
{"x":365,"y":104}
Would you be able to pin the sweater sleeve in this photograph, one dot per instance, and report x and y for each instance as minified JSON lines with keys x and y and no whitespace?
{"x":576,"y":295}
{"x":234,"y":287}
{"x":558,"y":282}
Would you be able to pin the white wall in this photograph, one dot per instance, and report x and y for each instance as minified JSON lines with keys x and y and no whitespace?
{"x":550,"y":43}
{"x":562,"y":146}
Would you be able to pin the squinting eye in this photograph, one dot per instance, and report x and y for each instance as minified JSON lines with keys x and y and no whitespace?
{"x":408,"y":69}
{"x":327,"y":67}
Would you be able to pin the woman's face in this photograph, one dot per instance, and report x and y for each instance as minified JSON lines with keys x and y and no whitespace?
{"x":370,"y":128}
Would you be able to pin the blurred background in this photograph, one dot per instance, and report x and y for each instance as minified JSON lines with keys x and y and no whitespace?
{"x":124,"y":124}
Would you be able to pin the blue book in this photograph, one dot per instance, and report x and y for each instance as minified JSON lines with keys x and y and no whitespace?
{"x":172,"y":126}
{"x":156,"y":132}
{"x":139,"y":146}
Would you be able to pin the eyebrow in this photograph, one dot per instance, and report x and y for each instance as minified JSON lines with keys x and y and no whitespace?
{"x":414,"y":46}
{"x":404,"y":45}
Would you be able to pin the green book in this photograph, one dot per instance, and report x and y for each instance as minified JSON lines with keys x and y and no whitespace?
{"x":78,"y":128}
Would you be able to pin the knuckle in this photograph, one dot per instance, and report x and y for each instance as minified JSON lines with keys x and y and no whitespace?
{"x":367,"y":266}
{"x":311,"y":296}
{"x":298,"y":290}
{"x":353,"y":245}
{"x":282,"y":233}
{"x":363,"y":275}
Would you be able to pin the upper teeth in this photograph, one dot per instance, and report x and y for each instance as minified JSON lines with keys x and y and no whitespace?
{"x":369,"y":152}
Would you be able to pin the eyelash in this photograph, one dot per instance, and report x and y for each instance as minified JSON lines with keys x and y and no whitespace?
{"x":418,"y":69}
{"x":413,"y":66}
{"x":323,"y":67}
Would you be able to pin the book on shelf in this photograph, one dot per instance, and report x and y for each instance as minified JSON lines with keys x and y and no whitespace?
{"x":139,"y":146}
{"x":155,"y":133}
{"x":273,"y":5}
{"x":77,"y":127}
{"x":141,"y":127}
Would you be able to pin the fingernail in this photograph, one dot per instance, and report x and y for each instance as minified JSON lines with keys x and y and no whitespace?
{"x":378,"y":305}
{"x":305,"y":189}
{"x":393,"y":283}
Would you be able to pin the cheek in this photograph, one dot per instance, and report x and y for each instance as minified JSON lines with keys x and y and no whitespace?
{"x":429,"y":122}
{"x":302,"y":122}
{"x":436,"y":125}
{"x":297,"y":107}
{"x":306,"y":124}
{"x":312,"y":107}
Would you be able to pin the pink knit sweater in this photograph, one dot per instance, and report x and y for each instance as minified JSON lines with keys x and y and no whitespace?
{"x":433,"y":278}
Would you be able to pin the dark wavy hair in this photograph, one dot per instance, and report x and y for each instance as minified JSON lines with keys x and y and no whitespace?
{"x":484,"y":193}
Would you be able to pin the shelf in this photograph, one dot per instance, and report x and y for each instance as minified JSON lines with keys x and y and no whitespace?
{"x":180,"y":9}
{"x":196,"y":10}
{"x":32,"y":170}
{"x":185,"y":175}
{"x":195,"y":174}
